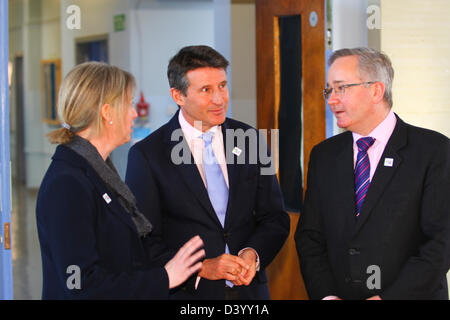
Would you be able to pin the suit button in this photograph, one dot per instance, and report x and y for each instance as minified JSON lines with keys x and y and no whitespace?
{"x":225,"y":235}
{"x":352,"y":252}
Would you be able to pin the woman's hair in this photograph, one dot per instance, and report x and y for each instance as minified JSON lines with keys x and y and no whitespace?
{"x":83,"y":92}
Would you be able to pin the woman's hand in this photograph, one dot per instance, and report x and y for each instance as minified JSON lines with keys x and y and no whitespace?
{"x":185,"y":262}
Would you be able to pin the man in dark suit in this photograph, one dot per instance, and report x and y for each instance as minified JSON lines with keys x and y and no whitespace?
{"x":376,"y":219}
{"x":184,"y":185}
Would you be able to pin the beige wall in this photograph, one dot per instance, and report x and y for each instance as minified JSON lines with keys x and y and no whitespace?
{"x":243,"y":62}
{"x":416,"y":35}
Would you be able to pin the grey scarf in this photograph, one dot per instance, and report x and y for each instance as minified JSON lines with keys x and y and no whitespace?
{"x":109,"y":175}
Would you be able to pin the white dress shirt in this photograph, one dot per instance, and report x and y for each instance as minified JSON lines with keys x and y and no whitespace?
{"x":197,"y":145}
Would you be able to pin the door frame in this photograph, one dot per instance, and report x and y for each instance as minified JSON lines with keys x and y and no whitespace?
{"x":313,"y":66}
{"x":285,"y":279}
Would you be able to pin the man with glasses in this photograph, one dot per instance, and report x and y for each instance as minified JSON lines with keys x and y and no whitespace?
{"x":376,"y":220}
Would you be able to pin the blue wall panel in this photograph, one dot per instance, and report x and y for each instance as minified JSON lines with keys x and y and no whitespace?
{"x":6,"y":286}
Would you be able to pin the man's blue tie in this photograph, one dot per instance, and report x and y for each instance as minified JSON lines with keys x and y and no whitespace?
{"x":362,"y":171}
{"x":215,"y":183}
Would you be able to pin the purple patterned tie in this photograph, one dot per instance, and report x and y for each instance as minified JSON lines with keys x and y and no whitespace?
{"x":362,"y":171}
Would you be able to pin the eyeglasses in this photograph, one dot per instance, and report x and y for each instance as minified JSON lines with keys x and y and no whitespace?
{"x":340,"y":90}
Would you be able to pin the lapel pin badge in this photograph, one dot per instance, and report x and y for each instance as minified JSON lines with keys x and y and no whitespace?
{"x":106,"y":198}
{"x":388,"y":162}
{"x":237,"y":151}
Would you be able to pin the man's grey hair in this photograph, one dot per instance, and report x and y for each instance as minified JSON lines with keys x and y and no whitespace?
{"x":373,"y":65}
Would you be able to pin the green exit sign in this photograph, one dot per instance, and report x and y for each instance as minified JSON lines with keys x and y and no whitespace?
{"x":119,"y":22}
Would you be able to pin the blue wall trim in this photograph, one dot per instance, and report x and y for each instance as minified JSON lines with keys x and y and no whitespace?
{"x":6,"y":284}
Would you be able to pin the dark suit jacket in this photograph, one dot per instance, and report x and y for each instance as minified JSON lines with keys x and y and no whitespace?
{"x":77,"y":227}
{"x":403,"y":228}
{"x":176,"y":201}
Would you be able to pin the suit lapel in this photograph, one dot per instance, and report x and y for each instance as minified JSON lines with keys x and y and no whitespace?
{"x":346,"y":182}
{"x":188,"y":171}
{"x":70,"y":156}
{"x":383,"y":174}
{"x":232,"y":170}
{"x":111,"y":201}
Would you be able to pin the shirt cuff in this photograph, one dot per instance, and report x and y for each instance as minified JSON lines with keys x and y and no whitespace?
{"x":330,"y":298}
{"x":196,"y":282}
{"x":257,"y":256}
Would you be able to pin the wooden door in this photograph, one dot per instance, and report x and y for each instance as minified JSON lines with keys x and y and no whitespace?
{"x":299,"y":65}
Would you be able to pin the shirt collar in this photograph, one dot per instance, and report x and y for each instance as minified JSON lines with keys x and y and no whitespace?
{"x":383,"y":131}
{"x":190,"y":131}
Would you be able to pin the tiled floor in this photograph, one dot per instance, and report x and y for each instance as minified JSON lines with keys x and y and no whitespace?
{"x":26,"y":254}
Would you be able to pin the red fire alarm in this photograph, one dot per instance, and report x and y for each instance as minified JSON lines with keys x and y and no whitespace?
{"x":142,"y":107}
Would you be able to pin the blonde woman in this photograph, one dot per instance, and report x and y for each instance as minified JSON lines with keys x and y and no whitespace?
{"x":94,"y":240}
